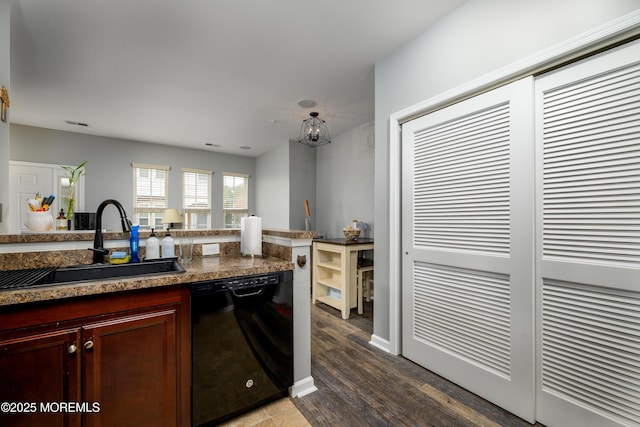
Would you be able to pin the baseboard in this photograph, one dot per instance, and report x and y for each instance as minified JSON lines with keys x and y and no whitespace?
{"x":303,"y":387}
{"x":380,"y":343}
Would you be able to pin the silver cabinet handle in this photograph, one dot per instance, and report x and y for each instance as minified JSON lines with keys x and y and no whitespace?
{"x":72,"y":349}
{"x":88,"y":345}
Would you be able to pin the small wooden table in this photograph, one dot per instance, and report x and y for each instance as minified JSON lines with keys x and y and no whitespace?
{"x":335,"y":271}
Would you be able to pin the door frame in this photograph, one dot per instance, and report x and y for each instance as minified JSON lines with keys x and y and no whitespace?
{"x":587,"y":43}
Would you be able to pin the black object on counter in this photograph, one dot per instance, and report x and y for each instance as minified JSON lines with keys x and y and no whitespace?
{"x":17,"y":279}
{"x":84,"y":221}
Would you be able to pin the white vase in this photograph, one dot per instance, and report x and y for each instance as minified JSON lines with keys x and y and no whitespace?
{"x":39,"y":221}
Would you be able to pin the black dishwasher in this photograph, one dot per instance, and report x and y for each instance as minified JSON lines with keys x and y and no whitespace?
{"x":242,"y":344}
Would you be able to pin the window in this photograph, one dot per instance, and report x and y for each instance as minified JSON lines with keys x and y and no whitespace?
{"x":150,"y":194}
{"x":235,"y":203}
{"x":196,"y":198}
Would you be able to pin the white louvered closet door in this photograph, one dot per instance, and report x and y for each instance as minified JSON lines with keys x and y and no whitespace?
{"x":468,"y":232}
{"x":588,"y":232}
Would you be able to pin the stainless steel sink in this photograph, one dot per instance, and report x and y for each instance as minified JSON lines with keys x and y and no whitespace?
{"x":81,"y":273}
{"x":16,"y":279}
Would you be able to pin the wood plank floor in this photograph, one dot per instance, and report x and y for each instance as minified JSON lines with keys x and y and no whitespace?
{"x":360,"y":385}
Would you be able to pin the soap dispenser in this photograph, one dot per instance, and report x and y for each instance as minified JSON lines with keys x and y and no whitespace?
{"x":134,"y":242}
{"x":153,"y":246}
{"x":61,"y":221}
{"x":168,"y":246}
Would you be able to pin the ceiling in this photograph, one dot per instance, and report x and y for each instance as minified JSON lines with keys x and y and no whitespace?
{"x":192,"y":72}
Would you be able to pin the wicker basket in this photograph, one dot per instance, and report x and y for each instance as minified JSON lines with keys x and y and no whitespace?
{"x":351,"y":234}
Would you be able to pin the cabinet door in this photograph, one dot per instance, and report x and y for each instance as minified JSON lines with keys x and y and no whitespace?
{"x":130,"y":370}
{"x":36,"y":370}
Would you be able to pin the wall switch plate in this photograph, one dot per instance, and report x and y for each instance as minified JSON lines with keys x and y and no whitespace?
{"x":212,"y":249}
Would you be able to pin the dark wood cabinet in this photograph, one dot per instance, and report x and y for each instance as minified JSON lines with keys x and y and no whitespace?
{"x":119,"y":358}
{"x":130,"y":370}
{"x":38,"y":368}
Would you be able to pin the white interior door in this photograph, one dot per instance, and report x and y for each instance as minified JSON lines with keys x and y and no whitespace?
{"x":588,"y":232}
{"x":468,"y":233}
{"x":28,"y":178}
{"x":25,"y":181}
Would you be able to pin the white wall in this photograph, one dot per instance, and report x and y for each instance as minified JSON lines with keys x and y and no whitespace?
{"x":272,"y":187}
{"x":344,"y":182}
{"x":5,"y":13}
{"x":479,"y":37}
{"x":109,"y":173}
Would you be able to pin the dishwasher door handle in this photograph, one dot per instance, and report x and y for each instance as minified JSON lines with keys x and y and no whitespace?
{"x":249,"y":294}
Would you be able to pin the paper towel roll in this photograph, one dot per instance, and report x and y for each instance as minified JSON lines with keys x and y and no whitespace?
{"x":251,"y":235}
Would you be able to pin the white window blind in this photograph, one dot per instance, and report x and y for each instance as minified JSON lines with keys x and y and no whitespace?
{"x":150,"y":193}
{"x":196,"y":198}
{"x":235,"y":203}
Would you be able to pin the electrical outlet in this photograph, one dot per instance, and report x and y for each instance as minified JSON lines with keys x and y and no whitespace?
{"x":212,"y":249}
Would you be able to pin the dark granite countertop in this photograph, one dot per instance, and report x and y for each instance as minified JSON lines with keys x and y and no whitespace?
{"x":87,"y":235}
{"x":207,"y":268}
{"x":343,"y":241}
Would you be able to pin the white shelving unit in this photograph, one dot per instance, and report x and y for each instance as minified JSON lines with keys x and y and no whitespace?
{"x":335,"y":273}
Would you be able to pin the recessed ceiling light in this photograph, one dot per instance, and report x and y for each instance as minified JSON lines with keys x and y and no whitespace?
{"x":70,"y":122}
{"x":307,"y":103}
{"x":244,"y":147}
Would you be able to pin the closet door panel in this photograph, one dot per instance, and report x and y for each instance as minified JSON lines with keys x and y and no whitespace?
{"x":588,"y":241}
{"x":468,"y":244}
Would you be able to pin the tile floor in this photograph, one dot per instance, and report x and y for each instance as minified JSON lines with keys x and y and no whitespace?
{"x":281,"y":413}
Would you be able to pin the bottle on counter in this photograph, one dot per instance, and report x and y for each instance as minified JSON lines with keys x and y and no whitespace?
{"x":168,"y":246}
{"x":61,"y":221}
{"x":153,"y":246}
{"x":134,"y":242}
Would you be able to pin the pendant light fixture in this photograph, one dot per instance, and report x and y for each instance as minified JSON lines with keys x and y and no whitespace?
{"x":314,"y":131}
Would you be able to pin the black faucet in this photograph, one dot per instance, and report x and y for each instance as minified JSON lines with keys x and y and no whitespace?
{"x":98,"y":251}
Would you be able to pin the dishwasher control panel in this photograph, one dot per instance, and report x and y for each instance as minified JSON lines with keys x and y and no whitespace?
{"x":235,"y":283}
{"x":253,"y":281}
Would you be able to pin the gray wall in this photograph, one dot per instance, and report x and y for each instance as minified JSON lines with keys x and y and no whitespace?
{"x":5,"y":9}
{"x":302,"y":184}
{"x":109,"y":173}
{"x":479,"y":37}
{"x":285,"y":178}
{"x":344,"y":184}
{"x":272,"y":188}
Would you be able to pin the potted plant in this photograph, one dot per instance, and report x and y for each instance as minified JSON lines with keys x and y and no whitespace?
{"x":74,"y":175}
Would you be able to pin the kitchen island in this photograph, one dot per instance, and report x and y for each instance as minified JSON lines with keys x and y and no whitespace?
{"x":123,"y":345}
